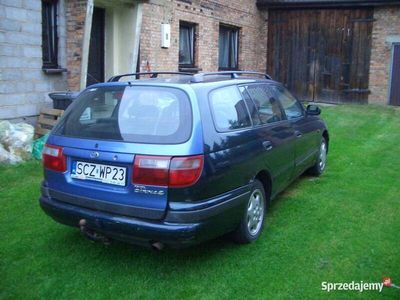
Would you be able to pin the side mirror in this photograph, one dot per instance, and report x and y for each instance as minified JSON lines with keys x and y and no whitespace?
{"x":313,"y":110}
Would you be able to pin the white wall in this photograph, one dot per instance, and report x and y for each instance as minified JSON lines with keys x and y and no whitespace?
{"x":121,"y":38}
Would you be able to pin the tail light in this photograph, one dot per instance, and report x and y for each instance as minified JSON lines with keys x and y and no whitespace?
{"x":164,"y":171}
{"x":54,"y":159}
{"x":185,"y":171}
{"x":151,"y":170}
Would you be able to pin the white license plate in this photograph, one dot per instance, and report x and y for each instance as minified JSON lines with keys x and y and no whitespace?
{"x":98,"y":172}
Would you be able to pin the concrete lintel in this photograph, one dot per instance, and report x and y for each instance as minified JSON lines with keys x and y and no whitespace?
{"x":393,"y":39}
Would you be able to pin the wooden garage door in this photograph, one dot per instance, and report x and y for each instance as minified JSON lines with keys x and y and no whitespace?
{"x":394,"y":97}
{"x":321,"y":54}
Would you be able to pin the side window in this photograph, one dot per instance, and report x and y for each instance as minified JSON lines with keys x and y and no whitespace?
{"x":229,"y":109}
{"x":266,"y":103}
{"x":292,"y":107}
{"x":251,"y":106}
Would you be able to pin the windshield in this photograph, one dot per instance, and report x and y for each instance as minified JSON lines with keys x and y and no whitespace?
{"x":142,"y":114}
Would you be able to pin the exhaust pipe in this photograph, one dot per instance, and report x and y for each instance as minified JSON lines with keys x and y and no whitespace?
{"x":158,"y":246}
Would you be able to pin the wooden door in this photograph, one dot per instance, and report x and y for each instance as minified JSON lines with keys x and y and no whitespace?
{"x":95,"y":72}
{"x":321,"y":54}
{"x":394,"y":97}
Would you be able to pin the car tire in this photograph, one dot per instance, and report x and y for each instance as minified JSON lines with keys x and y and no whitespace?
{"x":252,"y":222}
{"x":319,"y":167}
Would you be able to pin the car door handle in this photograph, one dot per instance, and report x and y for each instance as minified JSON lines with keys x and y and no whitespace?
{"x":267,"y":145}
{"x":298,"y":134}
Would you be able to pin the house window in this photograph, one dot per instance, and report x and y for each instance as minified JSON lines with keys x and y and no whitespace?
{"x":228,"y":48}
{"x":186,"y":45}
{"x":49,"y":34}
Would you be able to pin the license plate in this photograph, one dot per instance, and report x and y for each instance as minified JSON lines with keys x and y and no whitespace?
{"x":98,"y":172}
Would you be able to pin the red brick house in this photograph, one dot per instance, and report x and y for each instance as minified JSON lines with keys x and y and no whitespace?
{"x":323,"y":50}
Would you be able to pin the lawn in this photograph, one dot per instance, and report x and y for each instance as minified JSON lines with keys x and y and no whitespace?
{"x":341,"y":227}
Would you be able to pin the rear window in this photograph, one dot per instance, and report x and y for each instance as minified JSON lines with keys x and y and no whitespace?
{"x":140,"y":114}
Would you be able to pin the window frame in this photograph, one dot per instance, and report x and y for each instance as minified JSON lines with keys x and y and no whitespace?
{"x":248,"y":108}
{"x":192,"y":29}
{"x":50,"y":28}
{"x":236,"y":31}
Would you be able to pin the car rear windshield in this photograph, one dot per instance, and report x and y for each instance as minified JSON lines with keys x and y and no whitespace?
{"x":140,"y":114}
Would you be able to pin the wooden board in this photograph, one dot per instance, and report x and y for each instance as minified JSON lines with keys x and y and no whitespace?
{"x":47,"y":119}
{"x":321,"y":54}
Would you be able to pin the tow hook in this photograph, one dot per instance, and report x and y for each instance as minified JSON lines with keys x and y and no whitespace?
{"x":157,"y":246}
{"x":93,"y":235}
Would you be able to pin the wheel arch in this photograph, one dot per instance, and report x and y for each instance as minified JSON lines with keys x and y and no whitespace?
{"x":325,"y":134}
{"x":265,"y":178}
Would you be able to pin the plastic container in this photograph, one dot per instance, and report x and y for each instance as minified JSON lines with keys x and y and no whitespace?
{"x":61,"y":100}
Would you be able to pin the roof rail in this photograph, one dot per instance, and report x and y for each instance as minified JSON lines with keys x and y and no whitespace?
{"x":234,"y":74}
{"x":152,"y":75}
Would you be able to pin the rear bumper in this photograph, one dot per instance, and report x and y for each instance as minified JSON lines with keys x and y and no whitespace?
{"x":178,"y":229}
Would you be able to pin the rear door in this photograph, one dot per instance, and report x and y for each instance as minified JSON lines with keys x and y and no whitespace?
{"x":103,"y":133}
{"x":275,"y":133}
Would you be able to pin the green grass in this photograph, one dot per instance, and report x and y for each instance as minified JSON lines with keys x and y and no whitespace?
{"x":341,"y":227}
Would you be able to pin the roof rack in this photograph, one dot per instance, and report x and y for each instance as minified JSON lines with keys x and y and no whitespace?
{"x":152,"y":75}
{"x":234,"y":74}
{"x":195,"y":78}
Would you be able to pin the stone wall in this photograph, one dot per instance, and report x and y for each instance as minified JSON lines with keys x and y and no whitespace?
{"x":207,"y":15}
{"x":23,"y":84}
{"x":386,"y":30}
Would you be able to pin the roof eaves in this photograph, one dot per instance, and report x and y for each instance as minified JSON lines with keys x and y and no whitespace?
{"x":322,"y":3}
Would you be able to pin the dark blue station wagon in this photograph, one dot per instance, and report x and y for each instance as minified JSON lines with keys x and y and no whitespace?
{"x":178,"y":160}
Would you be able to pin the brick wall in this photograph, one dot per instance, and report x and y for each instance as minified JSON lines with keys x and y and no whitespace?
{"x":207,"y":15}
{"x":75,"y":15}
{"x":23,"y":85}
{"x":386,"y":30}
